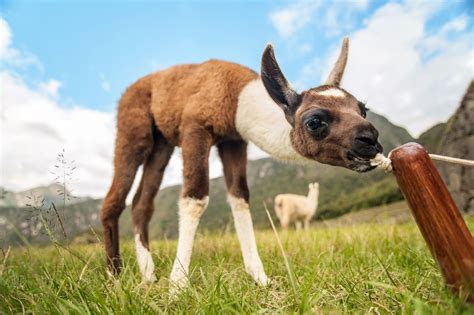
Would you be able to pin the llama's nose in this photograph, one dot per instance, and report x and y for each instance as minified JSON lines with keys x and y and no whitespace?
{"x":365,"y":143}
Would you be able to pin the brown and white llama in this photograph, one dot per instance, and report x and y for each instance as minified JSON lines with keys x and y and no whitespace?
{"x":299,"y":209}
{"x":196,"y":106}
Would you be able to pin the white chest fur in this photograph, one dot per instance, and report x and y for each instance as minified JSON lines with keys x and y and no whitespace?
{"x":262,"y":122}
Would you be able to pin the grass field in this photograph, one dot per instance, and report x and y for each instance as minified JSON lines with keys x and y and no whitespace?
{"x":362,"y":269}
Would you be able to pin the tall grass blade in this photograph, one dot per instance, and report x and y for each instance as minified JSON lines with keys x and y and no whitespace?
{"x":285,"y":258}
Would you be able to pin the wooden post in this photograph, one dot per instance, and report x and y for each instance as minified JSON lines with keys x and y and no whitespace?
{"x":437,"y":216}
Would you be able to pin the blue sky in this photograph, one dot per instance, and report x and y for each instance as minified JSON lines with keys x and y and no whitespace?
{"x":64,"y":64}
{"x":90,"y":46}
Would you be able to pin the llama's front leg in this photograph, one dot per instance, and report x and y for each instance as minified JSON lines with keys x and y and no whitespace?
{"x":190,"y":211}
{"x":285,"y":222}
{"x":196,"y":143}
{"x":298,"y":225}
{"x":234,"y":158}
{"x":246,"y":236}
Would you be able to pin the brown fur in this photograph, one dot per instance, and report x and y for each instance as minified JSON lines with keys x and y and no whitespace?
{"x":234,"y":159}
{"x":191,"y":106}
{"x":204,"y":94}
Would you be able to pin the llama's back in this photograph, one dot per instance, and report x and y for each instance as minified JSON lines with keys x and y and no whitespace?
{"x":205,"y":93}
{"x":289,"y":205}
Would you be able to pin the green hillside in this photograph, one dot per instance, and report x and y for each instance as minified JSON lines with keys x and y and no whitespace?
{"x":19,"y":225}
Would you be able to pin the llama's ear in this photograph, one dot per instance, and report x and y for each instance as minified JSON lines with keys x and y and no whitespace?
{"x":277,"y":86}
{"x":337,"y":72}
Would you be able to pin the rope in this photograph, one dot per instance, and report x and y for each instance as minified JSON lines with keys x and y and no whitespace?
{"x":451,"y":160}
{"x":386,"y":164}
{"x":383,"y":162}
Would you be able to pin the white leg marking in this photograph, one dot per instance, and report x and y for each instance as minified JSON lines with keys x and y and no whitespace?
{"x":145,"y":261}
{"x":245,"y":233}
{"x":190,"y":210}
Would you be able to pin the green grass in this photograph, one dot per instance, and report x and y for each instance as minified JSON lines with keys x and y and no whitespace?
{"x":362,"y":269}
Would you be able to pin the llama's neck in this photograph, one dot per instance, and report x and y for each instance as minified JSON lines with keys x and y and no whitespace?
{"x":312,"y":198}
{"x":262,"y":122}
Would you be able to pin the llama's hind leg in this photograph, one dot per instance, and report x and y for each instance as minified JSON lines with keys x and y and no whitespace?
{"x":142,"y":206}
{"x":127,"y":160}
{"x":306,"y":223}
{"x":133,"y":145}
{"x":234,"y":159}
{"x":196,"y":143}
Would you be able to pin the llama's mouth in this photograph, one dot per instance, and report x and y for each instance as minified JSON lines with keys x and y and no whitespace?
{"x":358,"y":164}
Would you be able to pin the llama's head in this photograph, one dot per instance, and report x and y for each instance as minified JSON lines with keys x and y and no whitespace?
{"x":328,"y":123}
{"x":313,"y":186}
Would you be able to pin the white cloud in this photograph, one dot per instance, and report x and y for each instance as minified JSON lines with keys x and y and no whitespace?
{"x":35,"y":128}
{"x":294,"y":17}
{"x":336,"y":17}
{"x":5,"y":40}
{"x":339,"y":18}
{"x":10,"y":55}
{"x":388,"y":66}
{"x":439,"y":41}
{"x":457,"y":24}
{"x":50,"y":87}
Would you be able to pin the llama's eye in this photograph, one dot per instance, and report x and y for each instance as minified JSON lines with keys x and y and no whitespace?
{"x":315,"y":123}
{"x":363,"y":109}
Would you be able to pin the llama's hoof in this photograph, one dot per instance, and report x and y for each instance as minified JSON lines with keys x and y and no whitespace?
{"x":111,"y":276}
{"x":148,"y":279}
{"x":178,"y":282}
{"x":262,"y":280}
{"x":258,"y":276}
{"x":176,"y":288}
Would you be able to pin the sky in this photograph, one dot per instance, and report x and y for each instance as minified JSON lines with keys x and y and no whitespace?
{"x":64,"y":65}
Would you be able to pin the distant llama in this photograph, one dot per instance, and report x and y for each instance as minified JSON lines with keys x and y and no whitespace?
{"x":223,"y":104}
{"x":291,"y":208}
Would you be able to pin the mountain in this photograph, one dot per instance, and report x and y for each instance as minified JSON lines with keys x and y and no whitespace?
{"x":341,"y":191}
{"x":50,"y":193}
{"x":458,"y":141}
{"x":431,"y":138}
{"x":20,"y":225}
{"x":455,"y":138}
